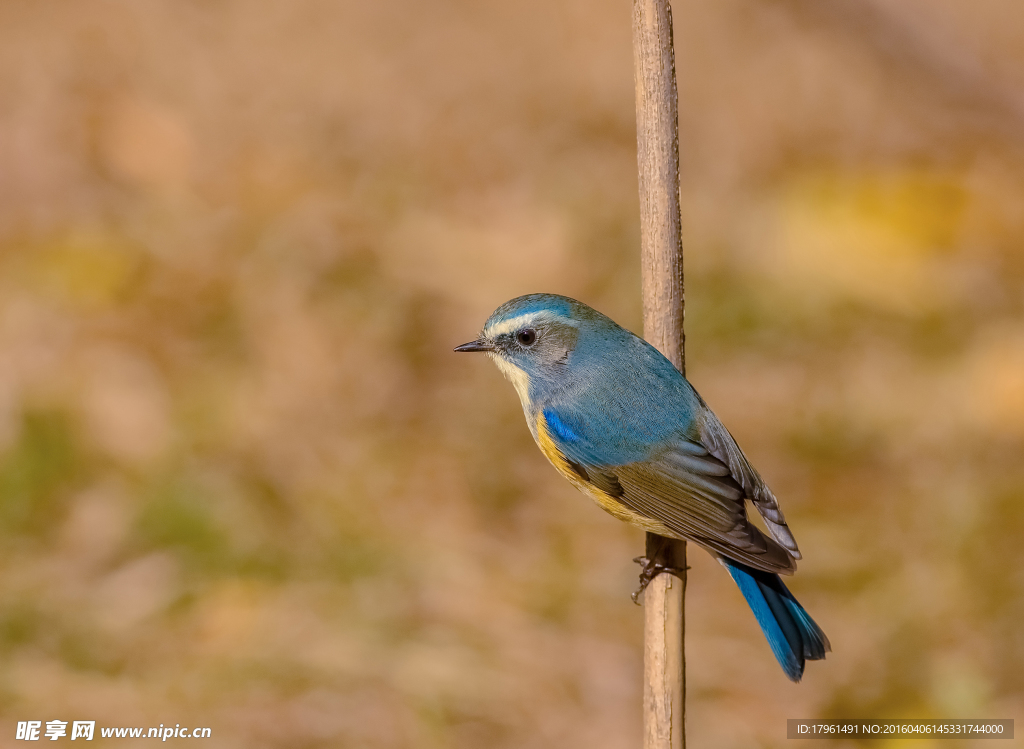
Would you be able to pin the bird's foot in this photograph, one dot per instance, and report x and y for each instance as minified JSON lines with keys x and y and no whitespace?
{"x":651,"y":568}
{"x":660,"y":559}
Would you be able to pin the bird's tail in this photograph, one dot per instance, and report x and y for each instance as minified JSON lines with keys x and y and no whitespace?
{"x":792,"y":634}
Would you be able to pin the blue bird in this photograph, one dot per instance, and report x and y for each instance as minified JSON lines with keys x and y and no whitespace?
{"x":620,"y":422}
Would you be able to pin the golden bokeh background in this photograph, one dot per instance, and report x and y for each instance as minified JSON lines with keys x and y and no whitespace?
{"x":245,"y":484}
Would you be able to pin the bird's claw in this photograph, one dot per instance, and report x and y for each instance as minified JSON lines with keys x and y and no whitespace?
{"x":650,"y":569}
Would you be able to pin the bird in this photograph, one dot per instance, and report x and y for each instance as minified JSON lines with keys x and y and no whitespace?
{"x":623,"y":425}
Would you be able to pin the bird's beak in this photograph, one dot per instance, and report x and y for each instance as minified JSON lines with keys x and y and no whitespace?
{"x":480,"y":344}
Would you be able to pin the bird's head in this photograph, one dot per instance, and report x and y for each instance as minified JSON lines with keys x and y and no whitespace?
{"x":532,"y":339}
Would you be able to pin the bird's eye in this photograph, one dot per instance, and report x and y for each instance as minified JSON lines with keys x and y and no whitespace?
{"x":527,"y":337}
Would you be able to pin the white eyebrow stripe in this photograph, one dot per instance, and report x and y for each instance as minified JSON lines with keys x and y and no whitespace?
{"x":527,"y":320}
{"x":507,"y":326}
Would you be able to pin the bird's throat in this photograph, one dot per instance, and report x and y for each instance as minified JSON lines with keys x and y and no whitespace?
{"x":519,"y":379}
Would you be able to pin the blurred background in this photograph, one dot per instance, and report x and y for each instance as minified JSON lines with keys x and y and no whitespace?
{"x":245,"y":484}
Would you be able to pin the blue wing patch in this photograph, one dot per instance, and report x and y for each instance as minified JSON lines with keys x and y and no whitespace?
{"x":559,"y":427}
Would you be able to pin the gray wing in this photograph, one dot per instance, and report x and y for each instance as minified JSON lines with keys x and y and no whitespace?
{"x":692,"y":492}
{"x":716,"y":438}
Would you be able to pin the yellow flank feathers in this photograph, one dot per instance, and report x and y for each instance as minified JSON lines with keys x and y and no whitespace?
{"x":552,"y":453}
{"x":605,"y":501}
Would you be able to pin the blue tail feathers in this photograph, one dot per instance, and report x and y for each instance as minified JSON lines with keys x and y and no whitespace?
{"x":792,"y":634}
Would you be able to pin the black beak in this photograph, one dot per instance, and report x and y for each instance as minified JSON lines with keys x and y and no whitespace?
{"x":478,"y":345}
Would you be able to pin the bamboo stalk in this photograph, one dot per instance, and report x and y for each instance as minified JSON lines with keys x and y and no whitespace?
{"x":657,"y":127}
